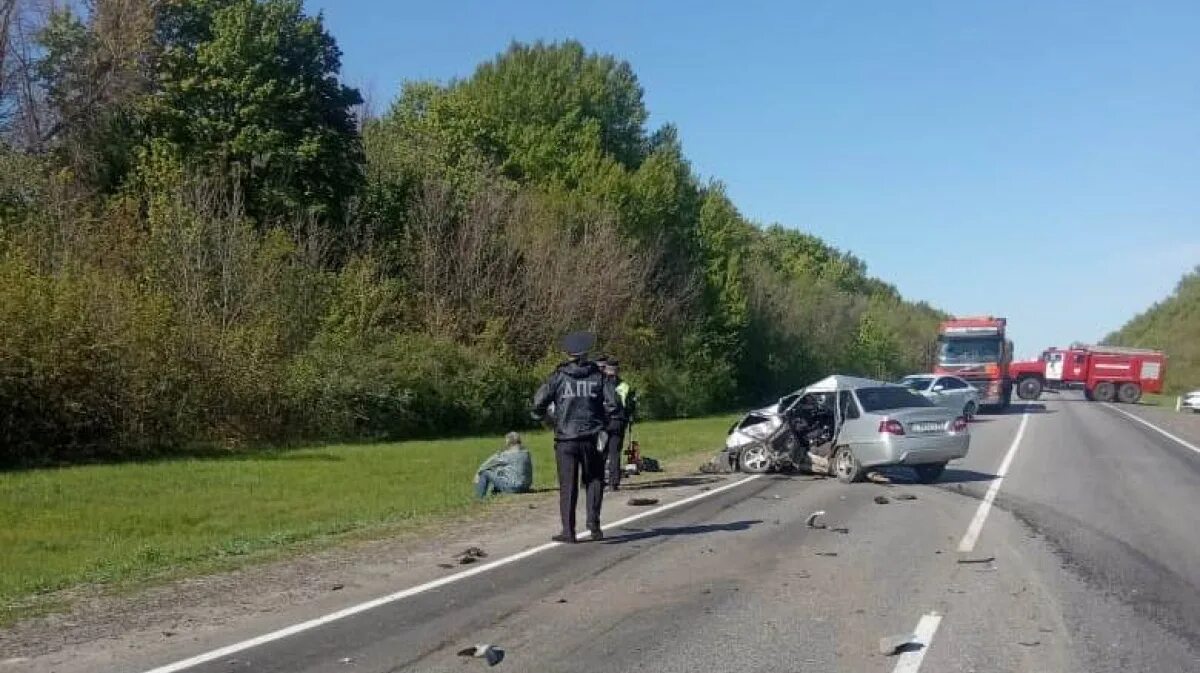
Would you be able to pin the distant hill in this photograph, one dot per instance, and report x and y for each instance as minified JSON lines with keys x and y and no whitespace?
{"x":1172,"y":325}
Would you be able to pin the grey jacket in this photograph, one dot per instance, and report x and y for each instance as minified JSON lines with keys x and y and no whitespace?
{"x":513,"y":467}
{"x":584,"y":399}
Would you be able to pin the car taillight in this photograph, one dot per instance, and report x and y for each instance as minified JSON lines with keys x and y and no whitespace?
{"x":891,"y":427}
{"x":959,"y":425}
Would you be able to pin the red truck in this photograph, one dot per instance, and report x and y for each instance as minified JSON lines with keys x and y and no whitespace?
{"x":975,"y":349}
{"x":1104,"y":373}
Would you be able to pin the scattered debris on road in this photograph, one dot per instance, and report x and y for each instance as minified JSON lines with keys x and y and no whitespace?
{"x":471,"y":555}
{"x":337,"y":587}
{"x":446,"y":565}
{"x":345,"y":660}
{"x":490,"y":653}
{"x":906,"y":496}
{"x":168,"y":634}
{"x":841,"y":529}
{"x":826,"y":553}
{"x":890,"y":645}
{"x":643,"y":502}
{"x":976,"y":559}
{"x":561,"y":600}
{"x":881,"y":500}
{"x":811,"y":521}
{"x":1029,"y":643}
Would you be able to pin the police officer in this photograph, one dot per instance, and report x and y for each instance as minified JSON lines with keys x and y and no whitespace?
{"x":614,"y":435}
{"x":583,"y":400}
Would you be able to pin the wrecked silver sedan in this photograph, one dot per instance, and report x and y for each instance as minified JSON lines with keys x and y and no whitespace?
{"x":845,"y":426}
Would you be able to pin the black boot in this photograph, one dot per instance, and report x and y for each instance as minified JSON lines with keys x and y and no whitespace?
{"x":564,"y":538}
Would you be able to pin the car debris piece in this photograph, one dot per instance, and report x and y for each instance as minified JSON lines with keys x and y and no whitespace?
{"x":561,"y":600}
{"x":826,"y":553}
{"x":643,"y":502}
{"x":337,"y":587}
{"x":890,"y":645}
{"x":906,"y":496}
{"x":490,"y":653}
{"x":345,"y":660}
{"x":881,"y":500}
{"x":976,"y":559}
{"x":475,"y":552}
{"x":446,"y":565}
{"x":1029,"y":643}
{"x":843,"y":530}
{"x":811,"y":521}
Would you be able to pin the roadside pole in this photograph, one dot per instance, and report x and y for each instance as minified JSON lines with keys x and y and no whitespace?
{"x":1178,"y":403}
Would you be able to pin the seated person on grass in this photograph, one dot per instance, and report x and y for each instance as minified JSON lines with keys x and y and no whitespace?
{"x":507,"y":471}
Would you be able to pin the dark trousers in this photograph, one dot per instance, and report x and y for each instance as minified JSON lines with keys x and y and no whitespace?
{"x":612,"y":453}
{"x":576,"y":459}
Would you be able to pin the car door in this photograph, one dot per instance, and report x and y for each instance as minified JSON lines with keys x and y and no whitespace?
{"x":957,"y":392}
{"x":945,"y":394}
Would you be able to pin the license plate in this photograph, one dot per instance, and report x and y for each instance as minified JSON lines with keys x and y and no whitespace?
{"x":927,"y":426}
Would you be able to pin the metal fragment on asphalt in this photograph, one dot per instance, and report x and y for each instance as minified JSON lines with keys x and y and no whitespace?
{"x":976,"y":559}
{"x":906,"y":496}
{"x":881,"y":500}
{"x":811,"y":522}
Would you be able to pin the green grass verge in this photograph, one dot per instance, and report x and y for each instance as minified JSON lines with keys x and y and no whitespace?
{"x":127,"y":523}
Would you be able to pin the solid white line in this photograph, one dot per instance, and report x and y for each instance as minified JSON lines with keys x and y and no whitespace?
{"x":968,"y":540}
{"x":1154,"y":427}
{"x":422,"y":588}
{"x":910,"y":662}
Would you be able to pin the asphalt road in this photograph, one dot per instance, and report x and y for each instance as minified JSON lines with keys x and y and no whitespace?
{"x":1096,"y":568}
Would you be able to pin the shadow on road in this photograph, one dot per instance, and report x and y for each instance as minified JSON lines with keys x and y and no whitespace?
{"x":670,"y":482}
{"x":959,"y":476}
{"x":1018,"y":408}
{"x":952,"y":475}
{"x":702,"y":529}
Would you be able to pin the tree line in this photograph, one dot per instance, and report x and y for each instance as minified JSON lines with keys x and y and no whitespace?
{"x":1172,"y":326}
{"x":206,"y":239}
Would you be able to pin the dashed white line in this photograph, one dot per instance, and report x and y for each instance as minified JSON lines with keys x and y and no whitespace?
{"x":1148,"y":424}
{"x":910,"y":662}
{"x":413,"y":591}
{"x":972,"y":535}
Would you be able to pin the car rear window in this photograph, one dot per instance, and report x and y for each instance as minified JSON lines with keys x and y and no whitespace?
{"x":878,"y":399}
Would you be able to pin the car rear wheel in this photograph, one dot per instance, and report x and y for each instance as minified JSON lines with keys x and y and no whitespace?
{"x":1129,"y":393}
{"x":927,"y":474}
{"x":754,"y":459}
{"x":970,"y":410}
{"x":846,"y":467}
{"x":1104,"y":392}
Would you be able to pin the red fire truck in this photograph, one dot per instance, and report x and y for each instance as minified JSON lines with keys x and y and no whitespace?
{"x":1104,"y":373}
{"x":975,"y":349}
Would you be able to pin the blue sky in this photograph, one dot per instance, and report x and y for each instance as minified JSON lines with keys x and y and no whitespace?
{"x":1035,"y":160}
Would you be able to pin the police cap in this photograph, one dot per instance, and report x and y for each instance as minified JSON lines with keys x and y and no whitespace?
{"x":578,"y":343}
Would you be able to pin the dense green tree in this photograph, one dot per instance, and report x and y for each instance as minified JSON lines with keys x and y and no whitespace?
{"x":1172,"y":325}
{"x":251,"y":87}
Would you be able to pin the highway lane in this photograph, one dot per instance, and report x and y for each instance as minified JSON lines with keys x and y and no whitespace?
{"x":1095,"y":570}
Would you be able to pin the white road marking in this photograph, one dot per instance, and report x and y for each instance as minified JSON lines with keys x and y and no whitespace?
{"x":910,"y":662}
{"x":422,"y":588}
{"x":1148,"y":424}
{"x":968,"y":541}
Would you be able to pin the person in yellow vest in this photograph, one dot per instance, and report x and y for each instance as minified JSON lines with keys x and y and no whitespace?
{"x":614,"y":436}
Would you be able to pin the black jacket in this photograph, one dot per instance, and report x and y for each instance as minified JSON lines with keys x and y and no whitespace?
{"x":584,"y":399}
